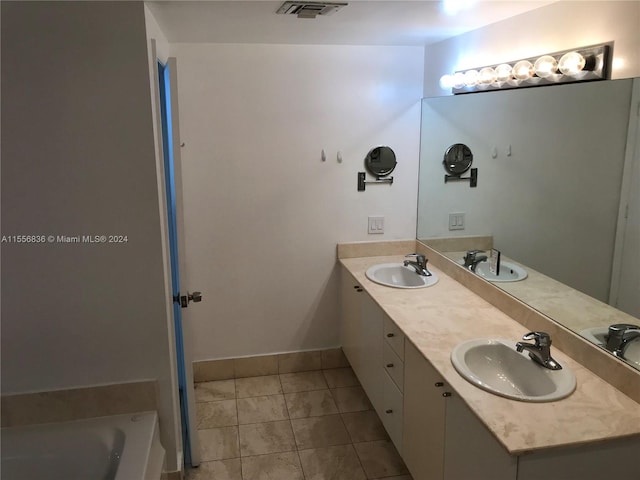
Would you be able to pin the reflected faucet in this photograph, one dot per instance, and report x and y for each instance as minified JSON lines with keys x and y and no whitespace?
{"x":472,"y":259}
{"x":620,"y":335}
{"x":420,"y":265}
{"x":540,"y":350}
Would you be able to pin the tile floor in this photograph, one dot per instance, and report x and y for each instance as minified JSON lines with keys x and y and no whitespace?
{"x":315,"y":425}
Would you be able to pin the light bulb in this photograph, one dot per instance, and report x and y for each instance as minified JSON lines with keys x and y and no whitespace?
{"x":545,"y":66}
{"x":458,"y":80}
{"x":471,"y":78}
{"x":446,"y":82}
{"x":503,"y":72}
{"x":571,"y":63}
{"x":523,"y":70}
{"x":487,"y":76}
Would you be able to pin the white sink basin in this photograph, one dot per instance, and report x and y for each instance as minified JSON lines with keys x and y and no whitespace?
{"x":598,"y":335}
{"x":509,"y":272}
{"x":398,"y":276}
{"x":496,"y":366}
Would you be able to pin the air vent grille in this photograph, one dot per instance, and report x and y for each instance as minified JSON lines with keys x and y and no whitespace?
{"x":309,"y":9}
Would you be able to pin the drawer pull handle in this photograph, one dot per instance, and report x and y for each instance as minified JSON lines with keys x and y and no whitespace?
{"x":446,"y":394}
{"x":359,"y":290}
{"x":356,"y":286}
{"x":389,"y":365}
{"x":439,"y":384}
{"x":389,"y":335}
{"x":388,"y":411}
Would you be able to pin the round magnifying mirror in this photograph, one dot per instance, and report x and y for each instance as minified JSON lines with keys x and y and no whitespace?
{"x":380,"y":161}
{"x":457,"y":159}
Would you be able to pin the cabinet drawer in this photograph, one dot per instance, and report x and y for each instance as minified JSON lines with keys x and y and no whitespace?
{"x":392,"y":411}
{"x":393,"y":365}
{"x":394,"y":336}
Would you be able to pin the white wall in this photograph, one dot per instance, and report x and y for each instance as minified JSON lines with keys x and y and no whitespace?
{"x":263,"y":214}
{"x":553,"y":203}
{"x":78,"y":158}
{"x":559,"y":26}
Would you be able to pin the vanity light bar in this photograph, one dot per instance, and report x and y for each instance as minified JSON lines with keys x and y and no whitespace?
{"x":568,"y":66}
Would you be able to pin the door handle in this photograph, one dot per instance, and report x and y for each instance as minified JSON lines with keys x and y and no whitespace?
{"x":184,"y":300}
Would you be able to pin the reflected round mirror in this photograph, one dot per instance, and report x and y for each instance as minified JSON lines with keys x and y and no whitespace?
{"x":380,"y":161}
{"x":457,"y":159}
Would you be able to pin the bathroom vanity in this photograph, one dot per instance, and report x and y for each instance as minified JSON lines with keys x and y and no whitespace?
{"x":399,"y":343}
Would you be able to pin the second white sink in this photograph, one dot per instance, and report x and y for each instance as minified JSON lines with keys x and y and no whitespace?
{"x":509,"y":272}
{"x":495,"y":366}
{"x":398,"y":276}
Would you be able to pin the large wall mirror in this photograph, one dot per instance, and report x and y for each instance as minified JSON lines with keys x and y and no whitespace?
{"x":558,"y":194}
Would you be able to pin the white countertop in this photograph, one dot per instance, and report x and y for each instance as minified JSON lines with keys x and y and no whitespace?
{"x":437,"y":318}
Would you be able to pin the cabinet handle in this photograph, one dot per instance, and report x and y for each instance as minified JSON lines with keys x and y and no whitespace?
{"x":389,"y":365}
{"x":388,"y":411}
{"x":359,"y":290}
{"x":356,"y":286}
{"x":389,"y":335}
{"x":446,"y":394}
{"x":439,"y":384}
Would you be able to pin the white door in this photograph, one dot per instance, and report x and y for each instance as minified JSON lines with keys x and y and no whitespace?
{"x":167,"y":82}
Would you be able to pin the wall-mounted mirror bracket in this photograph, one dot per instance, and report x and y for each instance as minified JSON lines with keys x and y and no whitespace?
{"x":362,"y":182}
{"x":473,"y":179}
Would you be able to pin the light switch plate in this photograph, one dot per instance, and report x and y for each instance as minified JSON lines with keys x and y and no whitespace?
{"x":456,"y":221}
{"x":376,"y":225}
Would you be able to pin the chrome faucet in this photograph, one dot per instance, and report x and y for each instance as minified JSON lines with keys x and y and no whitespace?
{"x":620,"y":335}
{"x":540,"y":350}
{"x":420,"y":265}
{"x":472,"y":259}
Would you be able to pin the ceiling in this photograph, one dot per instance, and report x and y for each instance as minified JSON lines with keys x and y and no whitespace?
{"x":362,"y":22}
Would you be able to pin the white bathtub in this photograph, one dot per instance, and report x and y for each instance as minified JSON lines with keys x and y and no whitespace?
{"x":119,"y":447}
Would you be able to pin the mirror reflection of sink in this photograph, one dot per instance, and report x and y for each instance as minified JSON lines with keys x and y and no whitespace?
{"x":509,"y":272}
{"x":495,"y":366}
{"x":398,"y":276}
{"x":598,"y":335}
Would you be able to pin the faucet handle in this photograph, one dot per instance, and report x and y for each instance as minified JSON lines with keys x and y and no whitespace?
{"x":621,"y":328}
{"x":541,"y":339}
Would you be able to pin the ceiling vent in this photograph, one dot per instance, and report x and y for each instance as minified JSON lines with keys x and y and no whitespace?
{"x":309,"y":9}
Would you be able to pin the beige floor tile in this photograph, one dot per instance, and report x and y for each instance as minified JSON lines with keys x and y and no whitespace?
{"x":333,"y":358}
{"x":310,"y":404}
{"x":268,"y":408}
{"x":219,"y":443}
{"x":214,"y":391}
{"x":380,"y":459}
{"x":340,"y":377}
{"x":268,"y":437}
{"x":255,"y":366}
{"x":299,"y":362}
{"x":275,"y":466}
{"x":258,"y":386}
{"x":219,"y":470}
{"x":303,"y":381}
{"x":351,"y":399}
{"x":331,"y":463}
{"x":216,"y":414}
{"x":364,"y":426}
{"x":325,"y":431}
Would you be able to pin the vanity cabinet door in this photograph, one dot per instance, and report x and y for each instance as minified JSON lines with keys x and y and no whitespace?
{"x":424,"y":417}
{"x":361,"y":336}
{"x":372,"y":369}
{"x":350,"y":306}
{"x":470,"y":450}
